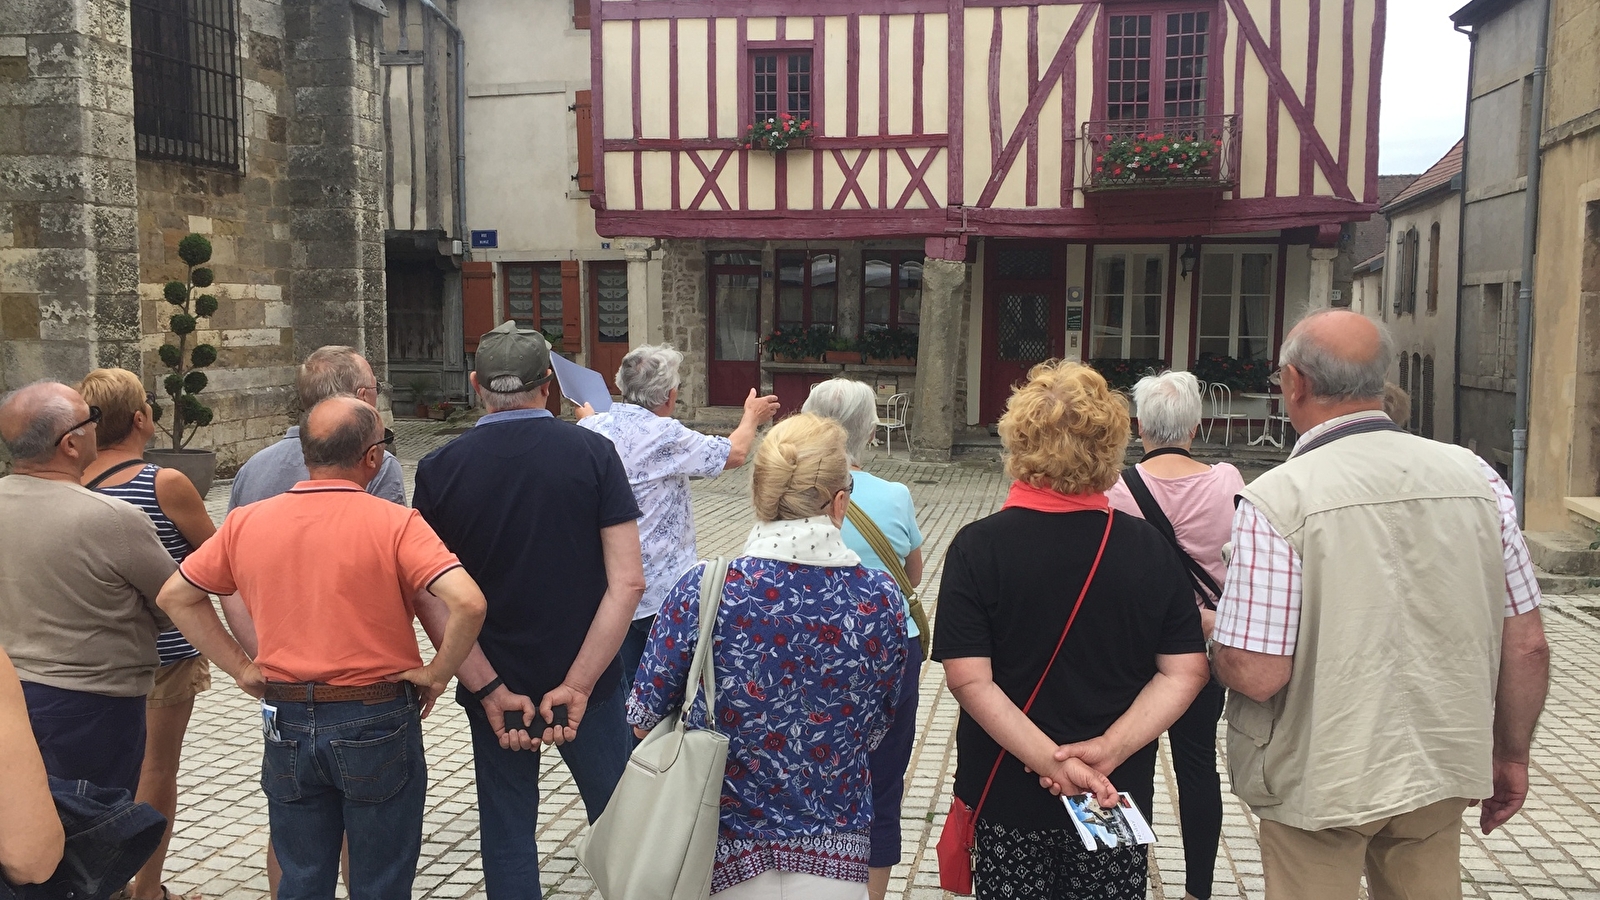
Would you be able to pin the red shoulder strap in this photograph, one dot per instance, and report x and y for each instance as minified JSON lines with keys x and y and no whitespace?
{"x":1051,"y":664}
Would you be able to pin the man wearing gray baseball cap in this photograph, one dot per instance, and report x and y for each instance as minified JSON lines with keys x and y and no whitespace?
{"x":541,"y":515}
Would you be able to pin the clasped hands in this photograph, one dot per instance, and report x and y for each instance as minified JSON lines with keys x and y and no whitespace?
{"x":1082,"y":768}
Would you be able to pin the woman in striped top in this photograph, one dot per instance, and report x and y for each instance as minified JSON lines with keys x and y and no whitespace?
{"x":127,"y":424}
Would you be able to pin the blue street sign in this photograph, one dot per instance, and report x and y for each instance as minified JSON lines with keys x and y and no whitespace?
{"x":485,"y":239}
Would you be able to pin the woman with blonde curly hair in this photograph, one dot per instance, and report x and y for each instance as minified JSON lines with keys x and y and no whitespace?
{"x":1101,"y":640}
{"x":808,"y":653}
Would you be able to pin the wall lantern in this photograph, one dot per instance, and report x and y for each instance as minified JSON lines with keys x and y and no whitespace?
{"x":1186,"y":260}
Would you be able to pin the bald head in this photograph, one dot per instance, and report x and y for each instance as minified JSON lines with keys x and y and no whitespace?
{"x":338,"y":432}
{"x":34,"y":417}
{"x":1343,"y":356}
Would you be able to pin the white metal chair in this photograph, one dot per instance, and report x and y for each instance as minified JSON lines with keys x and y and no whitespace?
{"x":1222,"y":408}
{"x":897,"y":414}
{"x":1203,"y":430}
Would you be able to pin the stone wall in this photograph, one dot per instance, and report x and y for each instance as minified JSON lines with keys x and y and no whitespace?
{"x":88,"y":234}
{"x":684,"y":314}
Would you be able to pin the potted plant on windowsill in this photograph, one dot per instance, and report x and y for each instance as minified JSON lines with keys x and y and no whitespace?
{"x":797,"y":344}
{"x":842,"y":350}
{"x":890,"y":346}
{"x":441,"y":410}
{"x":1132,"y":160}
{"x":777,"y":134}
{"x":186,"y":379}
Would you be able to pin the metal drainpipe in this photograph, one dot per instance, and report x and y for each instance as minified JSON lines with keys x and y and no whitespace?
{"x":1461,"y":234}
{"x":461,"y":126}
{"x":1530,"y":232}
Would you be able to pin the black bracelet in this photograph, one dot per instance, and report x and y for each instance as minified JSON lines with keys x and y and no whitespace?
{"x":487,"y":689}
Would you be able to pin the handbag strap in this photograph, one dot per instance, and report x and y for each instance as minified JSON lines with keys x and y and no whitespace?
{"x":702,"y":668}
{"x":1110,"y":514}
{"x":1204,"y":584}
{"x":880,"y":545}
{"x":100,"y":479}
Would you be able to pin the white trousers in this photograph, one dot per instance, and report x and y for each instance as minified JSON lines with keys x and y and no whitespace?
{"x":775,"y":885}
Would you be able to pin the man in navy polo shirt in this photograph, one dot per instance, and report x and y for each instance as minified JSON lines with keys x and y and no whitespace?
{"x":541,"y":515}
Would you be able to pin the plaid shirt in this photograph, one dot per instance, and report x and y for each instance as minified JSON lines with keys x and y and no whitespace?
{"x":1260,"y":606}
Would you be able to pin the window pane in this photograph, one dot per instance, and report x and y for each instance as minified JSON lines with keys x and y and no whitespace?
{"x":1128,"y":68}
{"x":764,"y":86}
{"x":799,"y":85}
{"x":910,"y":294}
{"x":877,"y":274}
{"x":736,"y":259}
{"x":611,"y":300}
{"x":1216,"y":319}
{"x":1211,"y":347}
{"x":550,"y":299}
{"x":1255,"y":275}
{"x":1184,"y":90}
{"x":519,"y":295}
{"x":1110,"y":281}
{"x":791,"y":287}
{"x":738,"y":315}
{"x":1253,"y":327}
{"x":1216,"y":273}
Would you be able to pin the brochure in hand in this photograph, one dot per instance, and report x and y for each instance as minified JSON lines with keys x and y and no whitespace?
{"x":1102,"y":829}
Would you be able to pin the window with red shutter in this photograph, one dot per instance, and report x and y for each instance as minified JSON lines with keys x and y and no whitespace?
{"x":583,"y":120}
{"x":580,"y":14}
{"x":477,"y":302}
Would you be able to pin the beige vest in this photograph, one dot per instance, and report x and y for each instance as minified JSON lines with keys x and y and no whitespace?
{"x":1391,"y":701}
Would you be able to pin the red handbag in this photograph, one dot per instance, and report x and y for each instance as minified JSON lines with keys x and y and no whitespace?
{"x":957,"y":849}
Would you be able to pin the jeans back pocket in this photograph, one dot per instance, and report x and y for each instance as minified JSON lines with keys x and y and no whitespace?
{"x":279,"y":778}
{"x":373,"y":770}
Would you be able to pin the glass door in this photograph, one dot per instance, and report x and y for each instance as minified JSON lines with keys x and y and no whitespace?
{"x":1024,"y":317}
{"x":735,"y":327}
{"x":1129,"y":308}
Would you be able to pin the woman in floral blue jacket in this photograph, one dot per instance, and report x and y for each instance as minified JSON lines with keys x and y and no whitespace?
{"x":809,"y":650}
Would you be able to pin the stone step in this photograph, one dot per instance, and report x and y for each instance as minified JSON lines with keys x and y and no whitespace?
{"x":1567,"y":584}
{"x":1564,"y":552}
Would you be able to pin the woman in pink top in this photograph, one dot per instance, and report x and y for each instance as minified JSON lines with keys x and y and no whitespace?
{"x":1198,"y":500}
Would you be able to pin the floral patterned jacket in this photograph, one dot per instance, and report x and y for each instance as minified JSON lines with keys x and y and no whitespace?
{"x":808,"y":665}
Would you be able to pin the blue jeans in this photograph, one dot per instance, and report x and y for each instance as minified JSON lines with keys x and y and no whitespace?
{"x":508,"y":789}
{"x":633,"y":644}
{"x":348,"y":768}
{"x":87,"y":737}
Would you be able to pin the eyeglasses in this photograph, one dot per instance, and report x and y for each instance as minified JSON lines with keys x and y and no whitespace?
{"x":848,"y":488}
{"x":388,"y":441}
{"x":1276,"y":378}
{"x":94,"y":418}
{"x":150,"y":399}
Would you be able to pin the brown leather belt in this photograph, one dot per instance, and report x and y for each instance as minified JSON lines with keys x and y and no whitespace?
{"x":305,"y":692}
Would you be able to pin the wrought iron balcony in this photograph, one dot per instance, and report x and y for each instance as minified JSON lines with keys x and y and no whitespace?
{"x":1161,"y":154}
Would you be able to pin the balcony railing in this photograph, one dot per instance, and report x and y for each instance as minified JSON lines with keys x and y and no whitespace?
{"x":1161,"y":154}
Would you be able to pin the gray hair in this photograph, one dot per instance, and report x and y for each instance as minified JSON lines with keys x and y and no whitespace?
{"x":328,"y":372}
{"x":852,"y":404}
{"x":39,"y":436}
{"x":345,"y":444}
{"x":1169,"y":408}
{"x":1333,"y":377}
{"x":508,"y":392}
{"x":648,"y":374}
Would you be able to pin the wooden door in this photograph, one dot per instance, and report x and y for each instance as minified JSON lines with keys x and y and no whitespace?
{"x":608,"y":318}
{"x":735,"y":328}
{"x":1024,"y":316}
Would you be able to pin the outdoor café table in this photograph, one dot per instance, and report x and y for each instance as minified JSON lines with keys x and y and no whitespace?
{"x":1274,"y":400}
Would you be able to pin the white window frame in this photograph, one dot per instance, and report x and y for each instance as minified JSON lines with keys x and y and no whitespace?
{"x":1100,"y":299}
{"x":1236,"y":254}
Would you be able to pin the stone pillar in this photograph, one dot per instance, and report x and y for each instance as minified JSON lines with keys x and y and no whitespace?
{"x":69,"y":263}
{"x":336,"y":178}
{"x":644,"y":318}
{"x":1321,"y":293}
{"x":933,"y":414}
{"x":454,"y":377}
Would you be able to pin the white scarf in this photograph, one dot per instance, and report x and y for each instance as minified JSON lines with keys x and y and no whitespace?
{"x":812,"y":542}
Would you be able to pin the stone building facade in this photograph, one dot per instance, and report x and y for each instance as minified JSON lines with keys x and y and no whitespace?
{"x":125,"y":126}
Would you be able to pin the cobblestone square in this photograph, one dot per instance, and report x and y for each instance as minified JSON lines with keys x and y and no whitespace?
{"x":1552,"y":850}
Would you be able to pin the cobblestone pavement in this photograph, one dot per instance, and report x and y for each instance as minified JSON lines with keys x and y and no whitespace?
{"x":1551,"y":851}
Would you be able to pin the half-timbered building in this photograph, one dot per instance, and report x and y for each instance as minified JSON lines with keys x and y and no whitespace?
{"x":1009,"y":181}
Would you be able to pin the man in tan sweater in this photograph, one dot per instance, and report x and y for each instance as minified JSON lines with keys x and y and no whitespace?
{"x":79,"y":575}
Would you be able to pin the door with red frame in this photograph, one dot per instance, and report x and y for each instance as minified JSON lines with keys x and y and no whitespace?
{"x":608,"y":315}
{"x":1024,"y":316}
{"x":735,"y":327}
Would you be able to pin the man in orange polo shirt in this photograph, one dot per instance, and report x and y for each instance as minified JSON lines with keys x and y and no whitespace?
{"x":330,"y":574}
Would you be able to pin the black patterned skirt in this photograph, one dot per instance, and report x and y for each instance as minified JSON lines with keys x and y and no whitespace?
{"x":1014,"y":864}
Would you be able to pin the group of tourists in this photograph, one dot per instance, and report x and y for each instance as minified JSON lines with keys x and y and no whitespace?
{"x":1366,"y":613}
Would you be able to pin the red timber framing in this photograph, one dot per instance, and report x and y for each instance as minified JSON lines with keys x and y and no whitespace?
{"x":892,"y":156}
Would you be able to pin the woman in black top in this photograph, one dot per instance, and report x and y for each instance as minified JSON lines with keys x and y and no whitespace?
{"x":1131,"y":663}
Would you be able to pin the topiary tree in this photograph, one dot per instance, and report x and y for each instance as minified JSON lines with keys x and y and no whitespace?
{"x":186,"y":380}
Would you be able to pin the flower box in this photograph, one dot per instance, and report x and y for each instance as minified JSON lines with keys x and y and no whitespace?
{"x":842,"y":356}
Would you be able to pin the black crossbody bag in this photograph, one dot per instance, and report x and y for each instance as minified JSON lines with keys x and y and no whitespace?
{"x":1204,"y":584}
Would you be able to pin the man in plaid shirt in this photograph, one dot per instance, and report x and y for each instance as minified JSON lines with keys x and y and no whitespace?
{"x":1380,"y":632}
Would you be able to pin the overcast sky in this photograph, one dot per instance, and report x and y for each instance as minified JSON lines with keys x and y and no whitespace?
{"x":1424,"y":85}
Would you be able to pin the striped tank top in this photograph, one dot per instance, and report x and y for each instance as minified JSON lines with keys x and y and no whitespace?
{"x":141,"y":492}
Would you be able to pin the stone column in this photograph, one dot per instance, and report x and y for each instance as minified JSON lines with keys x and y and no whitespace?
{"x":69,"y":263}
{"x":933,"y":413}
{"x":644,"y":320}
{"x":336,"y":181}
{"x":1321,"y":293}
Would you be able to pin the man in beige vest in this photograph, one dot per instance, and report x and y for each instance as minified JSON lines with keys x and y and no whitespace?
{"x":1380,"y":632}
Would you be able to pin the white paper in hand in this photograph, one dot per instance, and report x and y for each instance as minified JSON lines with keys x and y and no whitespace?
{"x":1102,"y":829}
{"x":581,"y":385}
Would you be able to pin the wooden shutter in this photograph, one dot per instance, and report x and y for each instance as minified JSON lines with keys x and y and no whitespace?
{"x":580,"y":14}
{"x":477,"y":301}
{"x":571,"y":308}
{"x":583,"y":110}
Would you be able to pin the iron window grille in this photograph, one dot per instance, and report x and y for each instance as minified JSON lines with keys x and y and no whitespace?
{"x":186,"y":85}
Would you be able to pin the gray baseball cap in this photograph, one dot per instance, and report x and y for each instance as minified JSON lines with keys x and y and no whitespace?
{"x":512,"y":351}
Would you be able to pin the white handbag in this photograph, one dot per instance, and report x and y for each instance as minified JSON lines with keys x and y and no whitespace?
{"x":657,"y":839}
